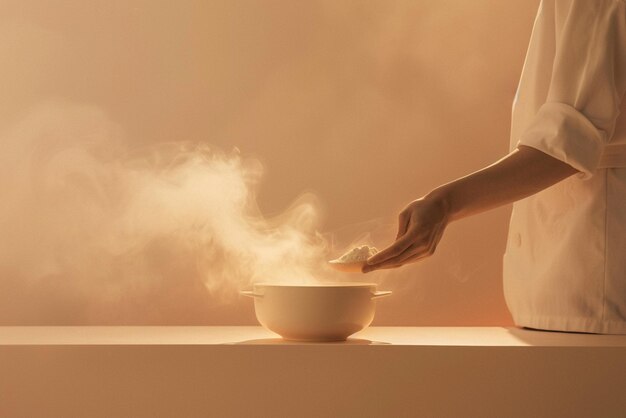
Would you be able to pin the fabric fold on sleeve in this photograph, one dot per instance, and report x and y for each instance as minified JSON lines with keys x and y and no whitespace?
{"x":564,"y":133}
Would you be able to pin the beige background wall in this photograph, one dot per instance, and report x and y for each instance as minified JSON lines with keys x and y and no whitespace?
{"x":367,"y":104}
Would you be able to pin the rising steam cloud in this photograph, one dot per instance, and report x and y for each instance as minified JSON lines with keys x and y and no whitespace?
{"x":88,"y":223}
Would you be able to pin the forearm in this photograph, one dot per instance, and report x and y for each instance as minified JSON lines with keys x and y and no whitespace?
{"x":523,"y":172}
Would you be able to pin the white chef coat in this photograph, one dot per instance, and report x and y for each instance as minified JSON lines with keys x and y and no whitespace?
{"x":565,"y":260}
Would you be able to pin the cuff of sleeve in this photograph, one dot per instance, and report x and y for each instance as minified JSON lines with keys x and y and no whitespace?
{"x":564,"y":133}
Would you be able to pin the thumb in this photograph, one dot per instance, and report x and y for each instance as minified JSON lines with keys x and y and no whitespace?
{"x":403,"y":223}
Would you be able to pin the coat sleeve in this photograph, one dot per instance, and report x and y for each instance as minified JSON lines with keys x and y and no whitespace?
{"x":587,"y":85}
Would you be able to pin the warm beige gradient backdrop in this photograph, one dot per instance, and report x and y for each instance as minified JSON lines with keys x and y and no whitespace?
{"x":367,"y":104}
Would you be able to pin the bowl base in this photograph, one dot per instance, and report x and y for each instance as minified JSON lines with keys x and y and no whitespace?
{"x":316,"y":340}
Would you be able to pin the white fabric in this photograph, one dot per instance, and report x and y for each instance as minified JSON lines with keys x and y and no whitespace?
{"x":565,"y":262}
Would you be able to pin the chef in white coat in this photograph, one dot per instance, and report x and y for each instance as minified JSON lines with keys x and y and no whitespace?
{"x":565,"y":260}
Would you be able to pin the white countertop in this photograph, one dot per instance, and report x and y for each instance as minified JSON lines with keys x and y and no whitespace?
{"x":247,"y":371}
{"x":256,"y":335}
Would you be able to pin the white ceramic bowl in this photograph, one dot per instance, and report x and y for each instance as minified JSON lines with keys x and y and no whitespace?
{"x":324,"y":312}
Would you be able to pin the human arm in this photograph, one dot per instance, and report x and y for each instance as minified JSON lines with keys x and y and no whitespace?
{"x":523,"y":172}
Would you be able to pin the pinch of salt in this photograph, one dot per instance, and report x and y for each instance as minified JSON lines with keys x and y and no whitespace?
{"x":358,"y":254}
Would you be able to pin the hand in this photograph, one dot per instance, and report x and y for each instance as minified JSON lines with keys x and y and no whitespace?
{"x":420,"y":227}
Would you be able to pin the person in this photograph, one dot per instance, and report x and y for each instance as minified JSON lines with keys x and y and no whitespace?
{"x":564,"y":267}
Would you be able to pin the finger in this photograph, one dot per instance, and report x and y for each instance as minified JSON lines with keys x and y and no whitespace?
{"x":403,"y":223}
{"x":368,"y":269}
{"x":389,"y":267}
{"x":401,"y":259}
{"x":415,"y":249}
{"x":433,"y":241}
{"x":393,"y":250}
{"x":386,"y":266}
{"x":419,"y":252}
{"x":414,"y":258}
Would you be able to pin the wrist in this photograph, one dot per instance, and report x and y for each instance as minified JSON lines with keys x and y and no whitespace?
{"x":442,"y":198}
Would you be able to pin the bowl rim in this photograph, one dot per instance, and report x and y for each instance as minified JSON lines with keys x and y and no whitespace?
{"x":317,"y":285}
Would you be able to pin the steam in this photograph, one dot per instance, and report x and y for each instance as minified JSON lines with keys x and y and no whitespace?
{"x":85,"y":213}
